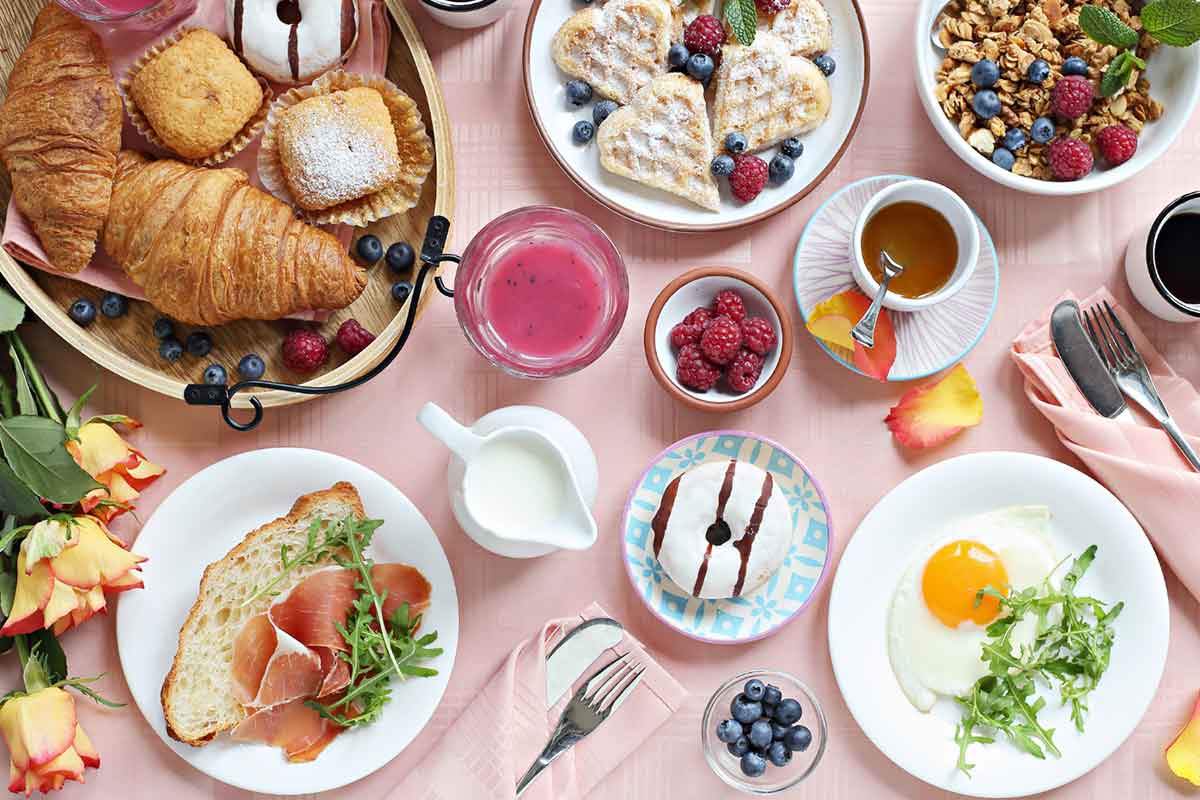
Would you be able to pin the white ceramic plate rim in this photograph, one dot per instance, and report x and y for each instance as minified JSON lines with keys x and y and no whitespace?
{"x":171,"y":585}
{"x":935,"y":488}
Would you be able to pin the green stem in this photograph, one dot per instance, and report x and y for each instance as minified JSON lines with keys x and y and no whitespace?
{"x":364,"y":571}
{"x":6,"y":398}
{"x":46,"y":399}
{"x":22,"y":648}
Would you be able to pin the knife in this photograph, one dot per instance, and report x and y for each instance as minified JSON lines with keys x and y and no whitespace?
{"x":571,"y":657}
{"x":1078,"y":353}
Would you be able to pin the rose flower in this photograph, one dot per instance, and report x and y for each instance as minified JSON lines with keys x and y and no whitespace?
{"x":102,"y":453}
{"x":45,"y":743}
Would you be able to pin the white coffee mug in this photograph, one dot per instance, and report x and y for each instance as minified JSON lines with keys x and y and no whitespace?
{"x":1141,"y":269}
{"x":466,"y":13}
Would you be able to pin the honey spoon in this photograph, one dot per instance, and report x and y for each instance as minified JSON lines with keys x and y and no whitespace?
{"x":864,"y":331}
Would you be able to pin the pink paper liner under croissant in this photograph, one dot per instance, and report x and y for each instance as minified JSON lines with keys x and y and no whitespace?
{"x":416,"y":152}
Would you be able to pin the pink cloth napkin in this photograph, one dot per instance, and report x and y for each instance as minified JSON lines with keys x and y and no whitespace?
{"x":124,"y":46}
{"x":508,"y":724}
{"x":1131,"y":454}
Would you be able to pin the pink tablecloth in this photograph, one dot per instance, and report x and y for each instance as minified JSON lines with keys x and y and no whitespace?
{"x":822,"y":412}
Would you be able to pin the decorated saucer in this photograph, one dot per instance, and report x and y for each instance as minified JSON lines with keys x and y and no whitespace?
{"x":772,"y":605}
{"x":927,"y":342}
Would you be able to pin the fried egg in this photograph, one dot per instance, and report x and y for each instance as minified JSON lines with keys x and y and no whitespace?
{"x":936,"y":630}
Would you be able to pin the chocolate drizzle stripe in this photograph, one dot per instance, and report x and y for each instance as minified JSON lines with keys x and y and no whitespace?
{"x":349,"y":25}
{"x":703,"y":571}
{"x":663,"y":515}
{"x":239,"y":10}
{"x":294,"y":51}
{"x":745,"y":544}
{"x":722,"y":501}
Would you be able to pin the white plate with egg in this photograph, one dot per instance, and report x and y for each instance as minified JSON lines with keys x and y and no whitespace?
{"x":884,"y":616}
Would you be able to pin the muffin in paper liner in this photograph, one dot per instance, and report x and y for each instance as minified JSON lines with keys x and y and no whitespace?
{"x":237,"y":144}
{"x":413,"y":142}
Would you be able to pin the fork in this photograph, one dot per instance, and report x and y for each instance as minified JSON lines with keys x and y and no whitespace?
{"x":1128,"y":369}
{"x":593,"y":703}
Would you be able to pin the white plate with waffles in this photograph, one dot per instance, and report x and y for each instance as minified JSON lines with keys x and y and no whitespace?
{"x":636,"y":44}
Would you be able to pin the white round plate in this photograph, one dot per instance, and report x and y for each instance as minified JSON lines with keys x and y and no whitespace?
{"x":205,"y":518}
{"x":927,"y":341}
{"x":1174,"y":75}
{"x":1084,"y":513}
{"x":545,"y":94}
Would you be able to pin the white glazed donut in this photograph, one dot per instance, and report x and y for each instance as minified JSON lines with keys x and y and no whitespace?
{"x":292,"y":41}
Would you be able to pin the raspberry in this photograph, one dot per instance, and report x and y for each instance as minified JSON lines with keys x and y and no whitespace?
{"x":1117,"y":144}
{"x":1070,"y":159}
{"x":684,"y":333}
{"x":729,"y":304}
{"x":1071,"y":97}
{"x":353,"y":338}
{"x":748,"y":178}
{"x":758,"y":336}
{"x":304,"y":351}
{"x":721,"y":340}
{"x":744,"y":371}
{"x":693,"y":371}
{"x":772,"y":7}
{"x":701,"y":316}
{"x":704,"y":34}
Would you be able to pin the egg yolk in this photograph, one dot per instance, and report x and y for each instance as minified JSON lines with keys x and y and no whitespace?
{"x":953,"y":577}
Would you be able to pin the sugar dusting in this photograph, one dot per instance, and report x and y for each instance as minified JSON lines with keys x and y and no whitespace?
{"x":336,"y":162}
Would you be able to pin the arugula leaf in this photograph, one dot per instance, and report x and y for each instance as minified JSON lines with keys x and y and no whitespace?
{"x":1105,"y":27}
{"x":1117,"y":75}
{"x":1173,"y":22}
{"x":34,"y":448}
{"x":742,"y":16}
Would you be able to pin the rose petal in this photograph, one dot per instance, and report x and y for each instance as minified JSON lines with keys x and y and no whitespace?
{"x":1183,"y":754}
{"x":932,"y":413}
{"x":832,"y":320}
{"x":95,"y":560}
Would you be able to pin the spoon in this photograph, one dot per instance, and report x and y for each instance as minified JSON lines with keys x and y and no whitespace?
{"x":936,"y":29}
{"x":864,"y":331}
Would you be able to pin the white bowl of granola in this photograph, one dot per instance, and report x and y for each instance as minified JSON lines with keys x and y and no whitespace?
{"x":1156,"y":105}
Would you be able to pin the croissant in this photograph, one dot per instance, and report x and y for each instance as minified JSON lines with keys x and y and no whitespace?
{"x":209,"y":248}
{"x":60,"y":130}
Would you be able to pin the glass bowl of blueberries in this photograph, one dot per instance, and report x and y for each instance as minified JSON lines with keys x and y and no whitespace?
{"x":763,"y":732}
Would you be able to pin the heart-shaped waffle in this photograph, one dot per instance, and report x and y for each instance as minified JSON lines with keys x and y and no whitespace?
{"x":804,"y":25}
{"x":766,"y":93}
{"x":618,"y":48}
{"x":662,"y":140}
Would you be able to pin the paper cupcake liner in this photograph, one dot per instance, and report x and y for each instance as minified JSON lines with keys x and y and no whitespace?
{"x":237,"y":144}
{"x":416,"y":152}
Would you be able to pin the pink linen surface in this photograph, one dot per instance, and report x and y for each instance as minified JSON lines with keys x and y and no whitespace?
{"x":500,"y":733}
{"x":1131,"y":455}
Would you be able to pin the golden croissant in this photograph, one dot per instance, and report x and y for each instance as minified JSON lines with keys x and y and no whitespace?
{"x":60,"y":130}
{"x":208,"y":248}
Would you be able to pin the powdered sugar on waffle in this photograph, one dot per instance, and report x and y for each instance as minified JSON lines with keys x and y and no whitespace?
{"x":618,"y":48}
{"x":805,"y":27}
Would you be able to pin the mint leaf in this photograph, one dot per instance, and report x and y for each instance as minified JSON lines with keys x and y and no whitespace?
{"x":742,"y":16}
{"x":1173,"y":22}
{"x":1117,"y":74}
{"x":1106,"y":27}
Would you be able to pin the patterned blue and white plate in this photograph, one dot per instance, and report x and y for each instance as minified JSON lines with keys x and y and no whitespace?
{"x":764,"y":611}
{"x":927,"y":341}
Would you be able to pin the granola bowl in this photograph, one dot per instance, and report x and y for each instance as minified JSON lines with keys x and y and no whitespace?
{"x":1156,"y":105}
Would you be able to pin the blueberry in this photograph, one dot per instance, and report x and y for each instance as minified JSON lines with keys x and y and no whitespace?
{"x":1014,"y":139}
{"x":760,"y":733}
{"x":826,"y":64}
{"x":739,"y":747}
{"x":163,"y":328}
{"x":798,"y":738}
{"x":753,"y":765}
{"x":170,"y":349}
{"x":722,"y":166}
{"x":729,"y":731}
{"x":215,"y":375}
{"x":583,"y":132}
{"x":699,"y":66}
{"x":368,"y":249}
{"x":779,"y":754}
{"x":678,"y":56}
{"x":1074,"y":66}
{"x":986,"y":104}
{"x":754,"y":689}
{"x":83,"y":311}
{"x":1003,"y":158}
{"x":778,"y":731}
{"x":768,"y":710}
{"x":772,"y":695}
{"x":787,"y":712}
{"x":985,"y":73}
{"x":114,"y":305}
{"x":781,"y":169}
{"x":1042,"y":130}
{"x":792,"y":148}
{"x":199,"y":343}
{"x":251,"y":367}
{"x":1038,"y":71}
{"x":400,"y":257}
{"x":736,"y":143}
{"x":401,"y":290}
{"x":578,"y":92}
{"x":601,"y":111}
{"x":745,"y":710}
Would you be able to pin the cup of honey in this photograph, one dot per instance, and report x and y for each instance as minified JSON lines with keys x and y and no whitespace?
{"x":927,"y":229}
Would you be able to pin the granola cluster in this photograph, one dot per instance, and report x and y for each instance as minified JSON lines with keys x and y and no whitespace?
{"x":1013,"y":33}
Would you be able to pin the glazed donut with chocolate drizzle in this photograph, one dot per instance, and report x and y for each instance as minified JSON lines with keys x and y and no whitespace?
{"x":722,"y":529}
{"x":292,"y":41}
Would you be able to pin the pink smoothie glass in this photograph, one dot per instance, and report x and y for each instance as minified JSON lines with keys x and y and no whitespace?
{"x":541,"y":292}
{"x":134,"y":14}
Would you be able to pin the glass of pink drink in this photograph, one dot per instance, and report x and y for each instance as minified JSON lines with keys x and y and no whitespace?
{"x":541,"y":292}
{"x":136,"y":14}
